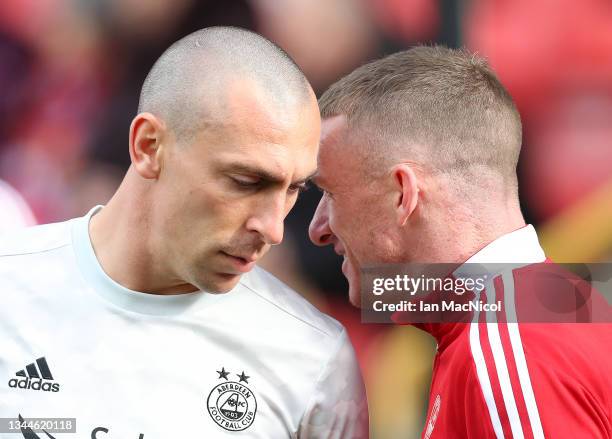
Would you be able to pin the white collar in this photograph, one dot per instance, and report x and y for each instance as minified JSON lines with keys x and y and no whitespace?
{"x":518,"y":247}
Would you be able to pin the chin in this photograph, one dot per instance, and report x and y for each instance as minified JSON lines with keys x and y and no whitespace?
{"x":222,"y":283}
{"x":355,"y":299}
{"x":354,"y":293}
{"x":354,"y":281}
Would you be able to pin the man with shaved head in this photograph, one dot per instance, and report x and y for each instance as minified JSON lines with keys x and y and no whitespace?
{"x":148,"y":317}
{"x":417,"y":164}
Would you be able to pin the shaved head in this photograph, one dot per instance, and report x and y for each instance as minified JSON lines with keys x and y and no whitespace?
{"x":226,"y":136}
{"x":196,"y":82}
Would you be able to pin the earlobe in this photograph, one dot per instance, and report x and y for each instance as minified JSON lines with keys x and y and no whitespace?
{"x":408,"y":192}
{"x":146,"y":133}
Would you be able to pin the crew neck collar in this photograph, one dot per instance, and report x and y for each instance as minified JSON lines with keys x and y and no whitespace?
{"x":120,"y":296}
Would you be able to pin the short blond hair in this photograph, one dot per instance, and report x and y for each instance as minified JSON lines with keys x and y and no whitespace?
{"x":443,"y":107}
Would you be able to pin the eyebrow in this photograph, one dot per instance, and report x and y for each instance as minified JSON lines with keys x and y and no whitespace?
{"x":266,"y":174}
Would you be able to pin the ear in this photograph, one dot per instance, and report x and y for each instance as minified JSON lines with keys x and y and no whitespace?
{"x":407,"y":191}
{"x":146,"y":135}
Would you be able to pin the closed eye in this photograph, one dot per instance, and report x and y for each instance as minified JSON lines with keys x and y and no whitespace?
{"x":252,"y":182}
{"x":246,"y":182}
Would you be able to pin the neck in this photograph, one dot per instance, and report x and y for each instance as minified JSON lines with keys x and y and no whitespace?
{"x":123,"y":241}
{"x":462,"y":232}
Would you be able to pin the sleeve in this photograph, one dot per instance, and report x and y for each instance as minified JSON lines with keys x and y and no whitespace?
{"x":338,"y":407}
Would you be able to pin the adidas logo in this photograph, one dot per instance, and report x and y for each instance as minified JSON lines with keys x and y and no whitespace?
{"x":37,"y":378}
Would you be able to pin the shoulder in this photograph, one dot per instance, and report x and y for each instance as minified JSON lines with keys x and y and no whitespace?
{"x":34,"y":259}
{"x":33,"y":240}
{"x":282,"y":300}
{"x":15,"y":211}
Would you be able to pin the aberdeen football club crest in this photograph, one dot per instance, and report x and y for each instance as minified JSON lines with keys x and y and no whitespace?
{"x":231,"y":404}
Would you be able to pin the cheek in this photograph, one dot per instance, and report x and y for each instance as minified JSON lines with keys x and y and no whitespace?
{"x":212,"y":202}
{"x":371,"y":232}
{"x":344,"y":214}
{"x":204,"y":217}
{"x":349,"y":222}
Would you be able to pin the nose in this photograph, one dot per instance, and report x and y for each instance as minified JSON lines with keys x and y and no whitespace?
{"x":269,"y":222}
{"x":319,"y":231}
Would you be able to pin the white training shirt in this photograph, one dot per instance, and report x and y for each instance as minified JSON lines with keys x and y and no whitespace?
{"x":256,"y":362}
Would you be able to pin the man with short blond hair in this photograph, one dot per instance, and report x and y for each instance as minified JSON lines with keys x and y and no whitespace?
{"x":417,"y":164}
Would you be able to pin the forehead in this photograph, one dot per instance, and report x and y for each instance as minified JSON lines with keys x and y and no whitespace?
{"x":256,"y":128}
{"x":338,"y":161}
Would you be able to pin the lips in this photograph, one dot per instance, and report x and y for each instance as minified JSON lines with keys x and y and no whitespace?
{"x":245,"y":258}
{"x":241,"y":264}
